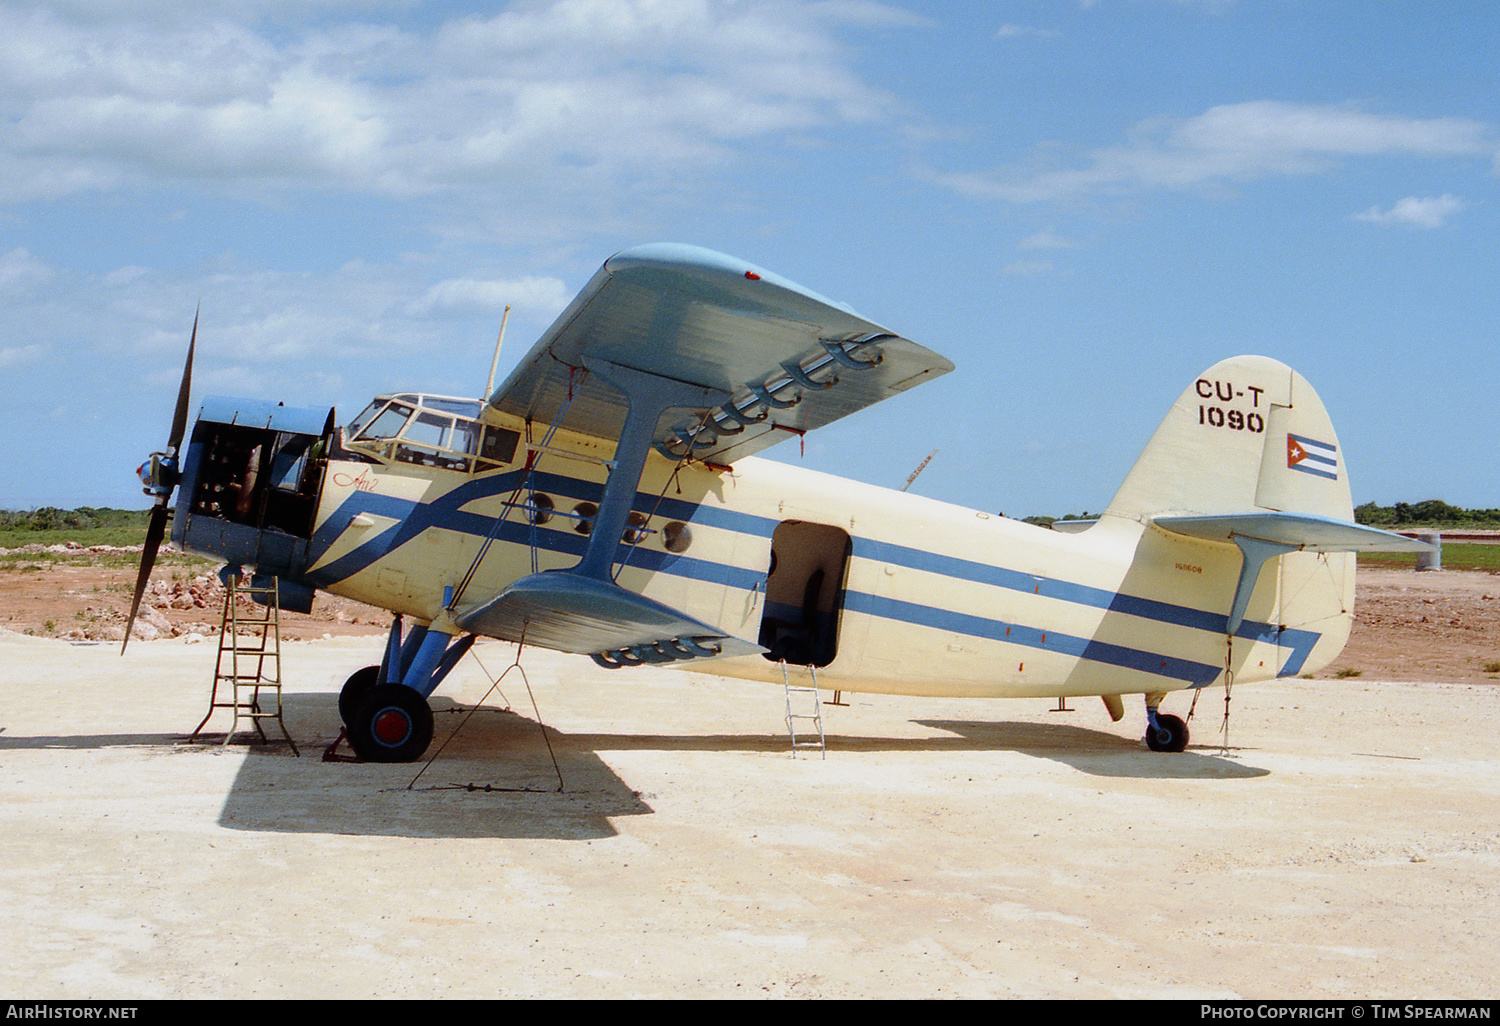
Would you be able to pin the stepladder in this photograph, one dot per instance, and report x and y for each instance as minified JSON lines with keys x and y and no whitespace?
{"x":247,"y":670}
{"x":804,"y":707}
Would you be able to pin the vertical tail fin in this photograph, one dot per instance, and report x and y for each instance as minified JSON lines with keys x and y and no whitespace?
{"x":1247,"y":459}
{"x":1249,"y":434}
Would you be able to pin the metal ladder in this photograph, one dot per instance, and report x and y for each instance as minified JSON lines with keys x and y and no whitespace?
{"x":804,"y":692}
{"x":251,"y":638}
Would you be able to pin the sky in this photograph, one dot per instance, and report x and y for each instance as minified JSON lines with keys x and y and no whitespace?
{"x":1082,"y":203}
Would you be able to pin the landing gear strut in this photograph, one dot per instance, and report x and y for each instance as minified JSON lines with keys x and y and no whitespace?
{"x":384,"y":708}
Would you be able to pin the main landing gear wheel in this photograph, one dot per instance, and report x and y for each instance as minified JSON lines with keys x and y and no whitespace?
{"x":354,"y":690}
{"x":1169,"y":735}
{"x":392,"y":724}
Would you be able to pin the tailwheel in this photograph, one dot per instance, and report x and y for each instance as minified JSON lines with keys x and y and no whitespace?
{"x":354,"y":690}
{"x":1166,"y":733}
{"x":392,"y":724}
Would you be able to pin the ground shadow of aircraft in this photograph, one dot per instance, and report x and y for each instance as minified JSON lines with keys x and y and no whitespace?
{"x":1098,"y":752}
{"x":493,"y":776}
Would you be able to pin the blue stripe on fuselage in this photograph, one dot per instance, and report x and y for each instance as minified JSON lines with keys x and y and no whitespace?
{"x":446,"y":512}
{"x":1299,"y":641}
{"x":1193,"y":673}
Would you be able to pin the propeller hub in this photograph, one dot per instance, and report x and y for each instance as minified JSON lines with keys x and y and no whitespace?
{"x":159,"y":475}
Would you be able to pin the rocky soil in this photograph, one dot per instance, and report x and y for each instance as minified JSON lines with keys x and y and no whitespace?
{"x":1437,"y":626}
{"x":83,"y":594}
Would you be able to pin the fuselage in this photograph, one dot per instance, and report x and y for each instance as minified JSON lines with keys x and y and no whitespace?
{"x":880,"y":590}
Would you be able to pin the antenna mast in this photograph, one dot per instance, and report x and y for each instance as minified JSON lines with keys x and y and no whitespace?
{"x":920,"y":467}
{"x":489,"y":388}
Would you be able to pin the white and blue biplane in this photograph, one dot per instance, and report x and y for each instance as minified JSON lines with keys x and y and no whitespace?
{"x":606,"y":501}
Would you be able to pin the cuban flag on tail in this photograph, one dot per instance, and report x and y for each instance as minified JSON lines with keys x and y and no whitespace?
{"x":1312,"y":457}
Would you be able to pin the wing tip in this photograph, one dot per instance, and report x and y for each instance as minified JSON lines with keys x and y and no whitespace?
{"x":710,"y":264}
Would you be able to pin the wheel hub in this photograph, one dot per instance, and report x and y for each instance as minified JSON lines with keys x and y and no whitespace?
{"x":391,"y":726}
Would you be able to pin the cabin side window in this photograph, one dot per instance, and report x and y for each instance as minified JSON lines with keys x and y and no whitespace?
{"x":497,"y":447}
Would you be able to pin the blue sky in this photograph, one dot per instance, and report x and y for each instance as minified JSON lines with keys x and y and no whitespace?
{"x":1082,"y":204}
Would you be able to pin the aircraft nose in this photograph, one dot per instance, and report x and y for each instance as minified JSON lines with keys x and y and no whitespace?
{"x":158,"y":475}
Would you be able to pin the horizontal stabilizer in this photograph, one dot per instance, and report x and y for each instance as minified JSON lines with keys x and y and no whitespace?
{"x":572,"y":613}
{"x":1263,"y":535}
{"x":1301,"y":531}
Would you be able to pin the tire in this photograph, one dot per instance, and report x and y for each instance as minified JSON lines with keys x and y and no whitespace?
{"x":393,"y":724}
{"x":354,"y":691}
{"x":1175,"y":729}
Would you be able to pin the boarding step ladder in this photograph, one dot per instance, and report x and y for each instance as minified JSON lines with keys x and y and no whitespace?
{"x":247,"y":673}
{"x":798,"y":696}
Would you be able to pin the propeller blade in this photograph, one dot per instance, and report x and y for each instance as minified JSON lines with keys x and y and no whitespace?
{"x":179,"y":418}
{"x":155,"y":530}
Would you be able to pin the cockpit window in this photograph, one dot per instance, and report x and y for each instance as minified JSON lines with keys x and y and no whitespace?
{"x":429,"y":429}
{"x":433,"y":440}
{"x":366,"y":415}
{"x":389,"y":422}
{"x":468,"y":408}
{"x":434,"y":431}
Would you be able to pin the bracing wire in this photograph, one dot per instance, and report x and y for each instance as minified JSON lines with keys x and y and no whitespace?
{"x":527,"y":483}
{"x":644,"y":530}
{"x":495,"y":686}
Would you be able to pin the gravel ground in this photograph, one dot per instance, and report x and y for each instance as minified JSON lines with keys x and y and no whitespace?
{"x":1341,"y":841}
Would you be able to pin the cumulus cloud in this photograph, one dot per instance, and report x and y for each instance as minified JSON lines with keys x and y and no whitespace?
{"x":282,"y":322}
{"x":20,"y":271}
{"x":1046,"y":239}
{"x":1026,"y":268}
{"x":17,"y":356}
{"x":589,"y":87}
{"x":1415,"y":212}
{"x":1236,"y":143}
{"x":544,"y":296}
{"x":1010,"y":31}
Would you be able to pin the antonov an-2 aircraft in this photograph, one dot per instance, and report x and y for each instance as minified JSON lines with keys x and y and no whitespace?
{"x":605,"y":501}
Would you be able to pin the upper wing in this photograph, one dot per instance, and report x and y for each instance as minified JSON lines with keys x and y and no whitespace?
{"x":789,"y":359}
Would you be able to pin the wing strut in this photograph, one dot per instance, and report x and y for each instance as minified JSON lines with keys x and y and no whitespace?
{"x":650,"y":396}
{"x":582,"y":609}
{"x":527,"y":484}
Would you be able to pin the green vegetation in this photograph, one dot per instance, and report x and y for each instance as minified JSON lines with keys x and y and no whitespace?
{"x":1431,"y":513}
{"x":85,"y":526}
{"x":1456,"y":556}
{"x":1046,"y":521}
